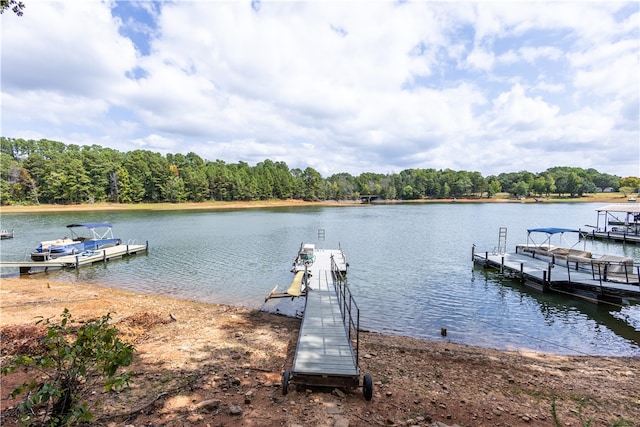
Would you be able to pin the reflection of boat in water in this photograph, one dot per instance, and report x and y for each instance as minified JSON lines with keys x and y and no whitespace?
{"x":100,"y":235}
{"x":617,"y":222}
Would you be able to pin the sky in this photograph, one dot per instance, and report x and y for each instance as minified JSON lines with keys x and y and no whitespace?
{"x":339,"y":86}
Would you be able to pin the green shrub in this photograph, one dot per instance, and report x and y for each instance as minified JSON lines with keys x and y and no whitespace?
{"x":73,"y":360}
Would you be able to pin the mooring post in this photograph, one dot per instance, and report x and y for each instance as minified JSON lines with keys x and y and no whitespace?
{"x":522,"y":272}
{"x":502,"y":265}
{"x":77,"y":262}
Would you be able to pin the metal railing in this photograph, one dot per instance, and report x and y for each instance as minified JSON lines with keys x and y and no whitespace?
{"x":348,"y":306}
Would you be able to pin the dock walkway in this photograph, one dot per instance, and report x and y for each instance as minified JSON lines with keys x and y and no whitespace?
{"x":325,"y":353}
{"x":324,"y":348}
{"x":543,"y":274}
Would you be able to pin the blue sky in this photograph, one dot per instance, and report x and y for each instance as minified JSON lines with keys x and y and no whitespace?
{"x":351,"y":86}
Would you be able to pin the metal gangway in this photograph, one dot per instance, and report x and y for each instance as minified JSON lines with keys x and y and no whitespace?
{"x":327,"y":351}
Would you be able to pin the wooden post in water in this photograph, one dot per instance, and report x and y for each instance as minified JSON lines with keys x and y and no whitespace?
{"x":502,"y":265}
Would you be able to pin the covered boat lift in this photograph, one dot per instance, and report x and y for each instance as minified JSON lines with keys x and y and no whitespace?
{"x":618,"y":222}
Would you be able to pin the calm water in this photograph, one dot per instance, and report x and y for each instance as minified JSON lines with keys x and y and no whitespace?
{"x":410,"y":267}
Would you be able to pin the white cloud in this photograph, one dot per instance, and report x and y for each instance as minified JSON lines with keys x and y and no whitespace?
{"x":339,"y":86}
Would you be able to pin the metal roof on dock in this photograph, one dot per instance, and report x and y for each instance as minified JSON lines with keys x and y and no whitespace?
{"x":621,"y":207}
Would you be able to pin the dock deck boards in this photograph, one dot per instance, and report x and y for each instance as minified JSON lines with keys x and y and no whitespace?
{"x":534,"y":269}
{"x":323,"y":346}
{"x":79,"y":260}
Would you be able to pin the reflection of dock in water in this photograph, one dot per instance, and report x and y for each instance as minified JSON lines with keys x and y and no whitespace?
{"x":610,"y":315}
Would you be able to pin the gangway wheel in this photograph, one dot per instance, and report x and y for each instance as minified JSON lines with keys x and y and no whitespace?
{"x":367,"y":387}
{"x":285,"y":382}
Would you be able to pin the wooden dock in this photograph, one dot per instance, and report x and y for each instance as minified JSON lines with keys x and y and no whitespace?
{"x":77,"y":260}
{"x":325,"y":353}
{"x":590,"y":281}
{"x":613,"y":236}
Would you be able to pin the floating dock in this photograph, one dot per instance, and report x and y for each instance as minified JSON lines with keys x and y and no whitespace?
{"x":613,"y":236}
{"x":597,"y":281}
{"x":77,"y":260}
{"x":325,"y":354}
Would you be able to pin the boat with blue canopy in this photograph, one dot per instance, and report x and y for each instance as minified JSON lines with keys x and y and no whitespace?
{"x":87,"y":236}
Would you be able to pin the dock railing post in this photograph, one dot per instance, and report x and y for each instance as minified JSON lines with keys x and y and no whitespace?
{"x":522,"y":271}
{"x":549,"y":273}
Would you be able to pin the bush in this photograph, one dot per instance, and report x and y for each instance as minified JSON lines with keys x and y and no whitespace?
{"x":71,"y":361}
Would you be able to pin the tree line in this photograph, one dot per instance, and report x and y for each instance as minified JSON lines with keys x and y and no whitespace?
{"x":44,"y":171}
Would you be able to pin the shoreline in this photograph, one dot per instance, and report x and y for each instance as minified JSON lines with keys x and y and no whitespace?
{"x":216,"y":205}
{"x":189,"y":352}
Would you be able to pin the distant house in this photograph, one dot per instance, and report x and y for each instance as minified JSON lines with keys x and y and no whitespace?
{"x":605,"y":190}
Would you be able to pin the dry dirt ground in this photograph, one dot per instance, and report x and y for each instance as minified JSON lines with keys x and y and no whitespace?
{"x":213,"y":365}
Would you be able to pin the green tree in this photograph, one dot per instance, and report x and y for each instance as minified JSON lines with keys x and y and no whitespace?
{"x":16,"y":6}
{"x":574,"y":184}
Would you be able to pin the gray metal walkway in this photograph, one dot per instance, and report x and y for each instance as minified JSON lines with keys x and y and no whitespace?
{"x":325,"y":354}
{"x":324,"y":349}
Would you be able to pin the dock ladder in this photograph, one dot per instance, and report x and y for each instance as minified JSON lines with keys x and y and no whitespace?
{"x":502,"y":241}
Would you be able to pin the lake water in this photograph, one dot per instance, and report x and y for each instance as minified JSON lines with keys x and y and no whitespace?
{"x":410,"y":267}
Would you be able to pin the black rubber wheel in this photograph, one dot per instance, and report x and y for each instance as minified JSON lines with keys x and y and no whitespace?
{"x":285,"y":382}
{"x":367,"y":387}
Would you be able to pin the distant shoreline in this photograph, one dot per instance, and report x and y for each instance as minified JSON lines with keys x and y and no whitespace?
{"x":215,"y":205}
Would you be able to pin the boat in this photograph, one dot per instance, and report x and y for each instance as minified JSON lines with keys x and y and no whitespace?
{"x":88,"y":236}
{"x":580,"y":259}
{"x":6,"y":234}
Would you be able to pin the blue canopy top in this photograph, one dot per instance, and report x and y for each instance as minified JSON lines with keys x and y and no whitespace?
{"x":552,"y":230}
{"x":90,"y":225}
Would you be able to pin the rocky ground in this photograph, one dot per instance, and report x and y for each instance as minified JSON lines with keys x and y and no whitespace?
{"x":212,"y":365}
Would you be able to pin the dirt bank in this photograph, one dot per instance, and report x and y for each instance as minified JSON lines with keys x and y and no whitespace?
{"x":213,"y":205}
{"x":213,"y":360}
